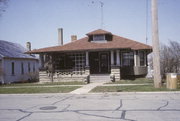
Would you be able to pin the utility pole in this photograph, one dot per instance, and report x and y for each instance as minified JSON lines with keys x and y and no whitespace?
{"x":155,"y":42}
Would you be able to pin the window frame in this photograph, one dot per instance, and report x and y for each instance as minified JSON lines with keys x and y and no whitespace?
{"x":129,"y":58}
{"x":142,"y":58}
{"x":22,"y":68}
{"x":29,"y":67}
{"x":12,"y":68}
{"x":99,"y":37}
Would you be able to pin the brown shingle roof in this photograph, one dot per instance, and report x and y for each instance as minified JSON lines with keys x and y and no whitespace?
{"x":83,"y":44}
{"x":98,"y":32}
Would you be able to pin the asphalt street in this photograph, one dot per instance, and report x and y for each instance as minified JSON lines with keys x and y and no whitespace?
{"x":90,"y":107}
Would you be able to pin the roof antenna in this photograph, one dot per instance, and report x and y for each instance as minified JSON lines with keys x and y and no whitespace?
{"x":102,"y":17}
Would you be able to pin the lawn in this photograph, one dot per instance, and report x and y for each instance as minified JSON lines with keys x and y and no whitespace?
{"x":132,"y":88}
{"x":44,"y":84}
{"x":26,"y":90}
{"x":136,"y":81}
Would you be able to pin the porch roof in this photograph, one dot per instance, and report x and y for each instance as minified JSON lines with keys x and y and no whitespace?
{"x":83,"y":44}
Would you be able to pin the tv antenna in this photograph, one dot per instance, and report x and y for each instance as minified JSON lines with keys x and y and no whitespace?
{"x":102,"y":13}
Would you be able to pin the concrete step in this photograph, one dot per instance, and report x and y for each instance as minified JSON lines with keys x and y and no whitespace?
{"x":43,"y":77}
{"x":100,"y":77}
{"x":43,"y":74}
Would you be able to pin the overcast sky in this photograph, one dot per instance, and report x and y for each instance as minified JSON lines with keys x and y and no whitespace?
{"x":37,"y":21}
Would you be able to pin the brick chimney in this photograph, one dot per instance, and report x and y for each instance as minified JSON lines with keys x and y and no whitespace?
{"x":60,"y":36}
{"x":28,"y":46}
{"x":73,"y":38}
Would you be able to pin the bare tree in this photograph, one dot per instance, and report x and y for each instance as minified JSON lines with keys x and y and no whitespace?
{"x":170,"y":58}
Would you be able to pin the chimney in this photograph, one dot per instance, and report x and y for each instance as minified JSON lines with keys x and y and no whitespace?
{"x":28,"y":46}
{"x":73,"y":38}
{"x":60,"y":36}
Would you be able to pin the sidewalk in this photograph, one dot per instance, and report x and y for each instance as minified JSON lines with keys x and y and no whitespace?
{"x":86,"y":88}
{"x":40,"y":86}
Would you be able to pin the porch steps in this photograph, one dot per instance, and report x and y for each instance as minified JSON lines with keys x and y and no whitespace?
{"x":43,"y":77}
{"x":100,"y":78}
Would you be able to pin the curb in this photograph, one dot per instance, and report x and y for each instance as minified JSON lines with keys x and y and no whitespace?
{"x":113,"y":93}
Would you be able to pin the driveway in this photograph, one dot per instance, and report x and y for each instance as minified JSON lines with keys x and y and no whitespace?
{"x":90,"y":107}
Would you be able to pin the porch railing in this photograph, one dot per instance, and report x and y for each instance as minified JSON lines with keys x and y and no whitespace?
{"x":69,"y":72}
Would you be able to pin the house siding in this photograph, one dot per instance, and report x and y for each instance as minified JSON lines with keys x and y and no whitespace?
{"x":7,"y":76}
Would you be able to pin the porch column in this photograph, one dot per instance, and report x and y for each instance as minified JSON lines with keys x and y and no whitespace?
{"x":112,"y":58}
{"x":145,"y":58}
{"x":87,"y":69}
{"x":115,"y":69}
{"x":117,"y":58}
{"x":136,"y":58}
{"x":87,"y":58}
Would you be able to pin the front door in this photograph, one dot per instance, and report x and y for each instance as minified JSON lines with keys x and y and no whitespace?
{"x":104,"y":62}
{"x":94,"y":62}
{"x":99,"y":62}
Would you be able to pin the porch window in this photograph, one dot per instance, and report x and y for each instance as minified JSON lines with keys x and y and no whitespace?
{"x":79,"y":61}
{"x":142,"y":57}
{"x":128,"y":59}
{"x":72,"y":61}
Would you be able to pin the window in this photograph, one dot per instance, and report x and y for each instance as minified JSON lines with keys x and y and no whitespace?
{"x":29,"y":68}
{"x":79,"y":61}
{"x":12,"y":68}
{"x":22,"y":68}
{"x":34,"y":67}
{"x":128,"y":59}
{"x":142,"y":61}
{"x":99,"y":38}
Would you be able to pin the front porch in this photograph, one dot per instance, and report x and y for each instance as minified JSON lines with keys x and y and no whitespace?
{"x":78,"y":66}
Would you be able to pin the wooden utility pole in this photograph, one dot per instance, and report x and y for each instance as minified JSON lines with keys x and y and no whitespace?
{"x":155,"y":42}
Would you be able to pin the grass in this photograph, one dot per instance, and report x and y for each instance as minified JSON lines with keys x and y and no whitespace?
{"x":136,"y":88}
{"x":44,"y":84}
{"x":29,"y":90}
{"x":136,"y":81}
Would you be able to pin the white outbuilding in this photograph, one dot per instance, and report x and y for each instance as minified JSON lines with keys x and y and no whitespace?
{"x":15,"y":65}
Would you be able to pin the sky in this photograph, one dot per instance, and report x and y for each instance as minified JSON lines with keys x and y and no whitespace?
{"x":37,"y":21}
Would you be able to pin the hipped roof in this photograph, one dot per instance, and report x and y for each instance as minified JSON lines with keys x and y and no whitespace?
{"x":84,"y":44}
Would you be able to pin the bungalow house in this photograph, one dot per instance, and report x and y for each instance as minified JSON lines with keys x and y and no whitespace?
{"x":100,"y":52}
{"x":15,"y":66}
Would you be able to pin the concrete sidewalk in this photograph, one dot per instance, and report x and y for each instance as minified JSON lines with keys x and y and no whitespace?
{"x":40,"y":86}
{"x":86,"y":88}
